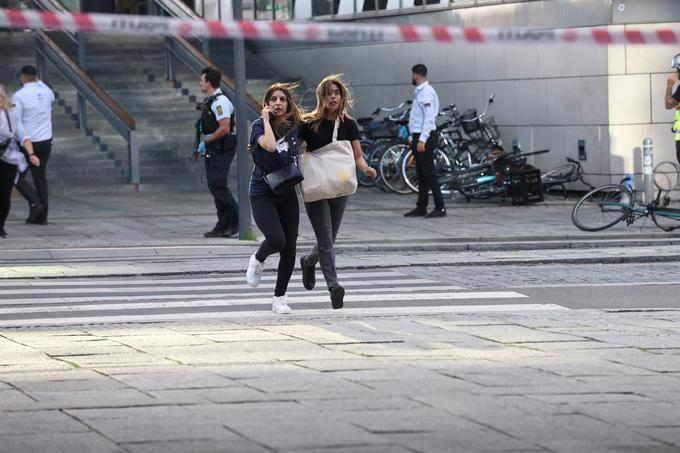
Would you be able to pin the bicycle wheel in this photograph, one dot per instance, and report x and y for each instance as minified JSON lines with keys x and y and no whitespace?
{"x":558,"y":176}
{"x":666,"y":176}
{"x":374,"y":161}
{"x":408,"y":170}
{"x":390,"y":169}
{"x":442,"y":165}
{"x":363,"y":180}
{"x":603,"y":207}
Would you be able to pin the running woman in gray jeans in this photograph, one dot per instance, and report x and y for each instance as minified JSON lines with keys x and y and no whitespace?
{"x":332,"y":101}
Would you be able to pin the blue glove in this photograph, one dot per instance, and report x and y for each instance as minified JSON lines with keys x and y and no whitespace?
{"x":201,"y":148}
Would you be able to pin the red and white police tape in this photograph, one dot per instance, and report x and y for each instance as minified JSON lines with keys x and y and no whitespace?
{"x":328,"y":32}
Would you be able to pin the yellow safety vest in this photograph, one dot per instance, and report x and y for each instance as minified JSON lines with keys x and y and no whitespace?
{"x":676,"y":125}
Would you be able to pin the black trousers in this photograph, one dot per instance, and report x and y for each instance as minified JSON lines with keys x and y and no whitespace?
{"x":7,"y":174}
{"x":677,"y":151}
{"x":278,"y":218}
{"x":39,"y":194}
{"x":325,"y":217}
{"x":426,"y":173}
{"x":217,"y":172}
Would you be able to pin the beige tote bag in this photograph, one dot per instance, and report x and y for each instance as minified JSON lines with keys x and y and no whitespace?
{"x":329,"y":171}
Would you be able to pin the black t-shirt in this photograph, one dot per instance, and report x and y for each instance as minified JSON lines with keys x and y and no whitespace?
{"x":266,"y":162}
{"x":676,"y":95}
{"x":348,"y":130}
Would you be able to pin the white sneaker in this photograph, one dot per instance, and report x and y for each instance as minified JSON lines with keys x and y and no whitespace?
{"x":254,"y":272}
{"x":280,"y":305}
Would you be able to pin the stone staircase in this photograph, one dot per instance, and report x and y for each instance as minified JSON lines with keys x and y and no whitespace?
{"x":78,"y":157}
{"x":131,"y":69}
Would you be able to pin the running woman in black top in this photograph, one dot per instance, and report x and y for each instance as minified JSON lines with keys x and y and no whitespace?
{"x":274,"y":143}
{"x":333,"y":98}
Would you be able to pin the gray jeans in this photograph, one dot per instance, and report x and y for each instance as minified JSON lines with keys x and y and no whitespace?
{"x":325,"y":217}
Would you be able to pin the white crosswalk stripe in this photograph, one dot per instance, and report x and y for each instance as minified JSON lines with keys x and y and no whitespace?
{"x":76,"y":301}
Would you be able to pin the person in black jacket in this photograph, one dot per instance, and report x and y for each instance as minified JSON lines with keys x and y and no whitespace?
{"x":217,"y":142}
{"x":274,"y":144}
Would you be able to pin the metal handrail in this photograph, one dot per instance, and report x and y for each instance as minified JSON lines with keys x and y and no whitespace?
{"x":193,"y":58}
{"x":121,"y":121}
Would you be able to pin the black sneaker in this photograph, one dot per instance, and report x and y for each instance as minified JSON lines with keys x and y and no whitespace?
{"x":308,"y":276}
{"x":417,"y":212}
{"x":337,"y":296}
{"x":214,"y":233}
{"x":3,"y":233}
{"x":436,"y":213}
{"x":35,"y":213}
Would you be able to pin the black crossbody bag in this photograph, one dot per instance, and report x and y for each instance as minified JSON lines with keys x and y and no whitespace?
{"x":282,"y":180}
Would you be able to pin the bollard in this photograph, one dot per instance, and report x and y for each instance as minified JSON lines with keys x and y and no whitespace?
{"x":648,"y":169}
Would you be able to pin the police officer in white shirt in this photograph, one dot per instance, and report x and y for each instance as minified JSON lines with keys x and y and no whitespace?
{"x":424,"y":141}
{"x":33,"y":105}
{"x":216,"y":140}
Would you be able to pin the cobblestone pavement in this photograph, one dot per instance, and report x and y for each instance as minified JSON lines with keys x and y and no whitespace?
{"x":548,"y":380}
{"x":557,"y":274}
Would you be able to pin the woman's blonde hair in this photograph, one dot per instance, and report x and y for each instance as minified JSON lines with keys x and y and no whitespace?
{"x":319,"y":113}
{"x":293,"y":112}
{"x":5,"y":102}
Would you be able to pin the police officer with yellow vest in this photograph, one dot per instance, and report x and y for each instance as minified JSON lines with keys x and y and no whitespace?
{"x":217,"y":142}
{"x":672,"y":101}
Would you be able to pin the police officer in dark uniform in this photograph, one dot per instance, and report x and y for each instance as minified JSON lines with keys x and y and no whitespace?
{"x":218,"y":143}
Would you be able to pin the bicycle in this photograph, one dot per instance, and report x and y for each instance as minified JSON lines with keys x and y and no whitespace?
{"x":564,"y":174}
{"x":490,"y":178}
{"x":605,"y":206}
{"x":376,"y":137}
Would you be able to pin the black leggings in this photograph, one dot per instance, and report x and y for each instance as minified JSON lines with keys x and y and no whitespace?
{"x":278,"y":219}
{"x":7,"y":174}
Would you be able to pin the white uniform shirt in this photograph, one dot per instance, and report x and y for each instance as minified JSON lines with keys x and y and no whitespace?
{"x":222,"y":107}
{"x":424,"y":111}
{"x":33,"y":104}
{"x":12,"y":154}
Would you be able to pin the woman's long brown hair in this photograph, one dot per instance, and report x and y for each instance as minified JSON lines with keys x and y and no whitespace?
{"x":319,"y":113}
{"x":293,"y":115}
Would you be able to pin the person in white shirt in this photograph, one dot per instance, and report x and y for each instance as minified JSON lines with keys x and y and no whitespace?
{"x":33,"y":105}
{"x":12,"y":160}
{"x":421,"y":124}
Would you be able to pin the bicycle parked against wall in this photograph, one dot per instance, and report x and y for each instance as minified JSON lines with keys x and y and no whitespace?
{"x":608,"y":205}
{"x":570,"y":172}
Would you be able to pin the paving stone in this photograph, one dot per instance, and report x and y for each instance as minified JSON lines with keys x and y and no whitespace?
{"x":259,"y":370}
{"x":612,"y":446}
{"x":668,"y":434}
{"x":337,"y":404}
{"x":85,"y":360}
{"x":91,"y":398}
{"x":562,"y":428}
{"x":236,"y":445}
{"x":239,"y":335}
{"x":362,"y":448}
{"x":286,"y":425}
{"x":38,"y":422}
{"x":58,"y":443}
{"x":324,"y":384}
{"x":178,"y":379}
{"x":635,"y":414}
{"x":168,"y":338}
{"x":101,"y":383}
{"x":478,"y":440}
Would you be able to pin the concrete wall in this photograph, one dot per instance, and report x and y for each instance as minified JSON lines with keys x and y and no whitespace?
{"x":546,"y":96}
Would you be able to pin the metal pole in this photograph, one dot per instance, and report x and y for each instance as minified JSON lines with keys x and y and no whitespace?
{"x":242,"y":158}
{"x":648,"y":168}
